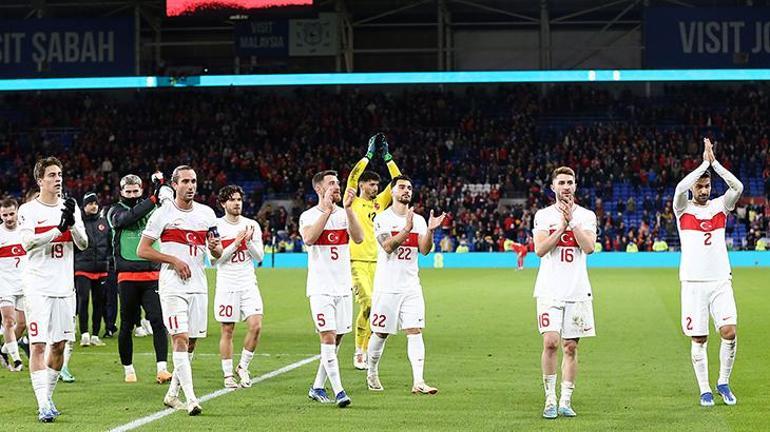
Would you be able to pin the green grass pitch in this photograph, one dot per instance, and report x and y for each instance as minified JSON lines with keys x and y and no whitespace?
{"x":483,"y":353}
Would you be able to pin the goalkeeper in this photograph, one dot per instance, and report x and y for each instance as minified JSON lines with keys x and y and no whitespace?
{"x":367,"y":204}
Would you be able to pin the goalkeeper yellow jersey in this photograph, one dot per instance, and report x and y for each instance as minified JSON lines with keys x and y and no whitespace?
{"x":366,"y":210}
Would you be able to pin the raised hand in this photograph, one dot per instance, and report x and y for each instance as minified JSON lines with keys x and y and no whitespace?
{"x":350,"y":194}
{"x":372,"y":146}
{"x":327,"y":202}
{"x":435,"y":222}
{"x":708,"y":151}
{"x":409,"y":219}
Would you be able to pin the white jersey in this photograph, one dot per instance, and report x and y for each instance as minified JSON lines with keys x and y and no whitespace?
{"x":182,"y":233}
{"x":397,"y":272}
{"x":328,"y":259}
{"x":702,"y":236}
{"x":49,"y":268}
{"x":12,"y":256}
{"x":563,"y":273}
{"x":236,"y":273}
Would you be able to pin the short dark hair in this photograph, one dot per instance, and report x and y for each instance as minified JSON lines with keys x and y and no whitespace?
{"x":9,"y":202}
{"x":175,"y":174}
{"x":562,"y":170}
{"x":706,"y":174}
{"x":400,"y":177}
{"x":367,"y":176}
{"x":227,"y":192}
{"x":44,"y":163}
{"x":318,"y":178}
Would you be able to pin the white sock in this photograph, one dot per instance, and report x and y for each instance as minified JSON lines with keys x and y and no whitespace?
{"x":40,"y":386}
{"x":183,"y":370}
{"x":415,"y":350}
{"x":329,"y":361}
{"x":173,"y":388}
{"x":128,"y":370}
{"x":374,"y":353}
{"x":700,"y":364}
{"x":12,"y":349}
{"x":726,"y":359}
{"x":320,"y":376}
{"x":246,"y":357}
{"x":190,"y":355}
{"x":549,"y":383}
{"x":566,"y":393}
{"x":53,"y":378}
{"x":67,"y":354}
{"x":161,"y":366}
{"x":3,"y":349}
{"x":227,"y":367}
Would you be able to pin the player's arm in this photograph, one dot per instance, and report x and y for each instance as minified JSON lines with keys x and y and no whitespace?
{"x":391,"y":242}
{"x":120,"y":218}
{"x":425,"y":241}
{"x":733,"y":194}
{"x":254,"y":244}
{"x":682,"y":188}
{"x":78,"y":230}
{"x":145,"y":251}
{"x":310,"y":233}
{"x":215,"y":245}
{"x":384,"y":198}
{"x":360,"y":166}
{"x":585,"y":235}
{"x":354,"y":226}
{"x":545,"y":242}
{"x":229,"y":250}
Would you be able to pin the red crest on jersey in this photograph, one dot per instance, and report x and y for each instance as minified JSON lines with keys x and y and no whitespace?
{"x":333,"y":238}
{"x":689,"y":222}
{"x":567,"y":239}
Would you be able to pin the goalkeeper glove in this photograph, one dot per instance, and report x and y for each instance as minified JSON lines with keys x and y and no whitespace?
{"x":383,"y":148}
{"x":372,"y":146}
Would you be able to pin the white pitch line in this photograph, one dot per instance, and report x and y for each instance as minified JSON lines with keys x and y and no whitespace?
{"x":168,"y":411}
{"x":111,"y":354}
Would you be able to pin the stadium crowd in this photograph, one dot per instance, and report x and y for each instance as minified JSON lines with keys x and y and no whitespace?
{"x":481,"y":154}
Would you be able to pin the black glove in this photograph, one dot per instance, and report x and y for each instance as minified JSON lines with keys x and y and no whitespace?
{"x":67,"y":215}
{"x":382,"y":147}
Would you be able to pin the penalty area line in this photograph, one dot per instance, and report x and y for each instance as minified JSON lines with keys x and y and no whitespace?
{"x":168,"y":411}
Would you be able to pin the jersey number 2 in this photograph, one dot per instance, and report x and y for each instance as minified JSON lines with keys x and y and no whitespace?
{"x":707,"y":239}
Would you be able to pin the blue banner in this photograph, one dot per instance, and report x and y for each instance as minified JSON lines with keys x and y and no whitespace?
{"x":262,"y":38}
{"x":737,"y":37}
{"x":67,"y":47}
{"x":508,"y":260}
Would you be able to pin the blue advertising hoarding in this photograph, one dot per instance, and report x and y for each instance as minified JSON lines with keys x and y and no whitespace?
{"x":262,"y":38}
{"x":66,"y":47}
{"x":734,"y":37}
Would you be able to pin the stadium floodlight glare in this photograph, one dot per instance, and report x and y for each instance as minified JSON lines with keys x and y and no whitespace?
{"x":476,"y":77}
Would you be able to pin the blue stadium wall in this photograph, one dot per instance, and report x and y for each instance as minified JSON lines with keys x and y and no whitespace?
{"x":508,"y":260}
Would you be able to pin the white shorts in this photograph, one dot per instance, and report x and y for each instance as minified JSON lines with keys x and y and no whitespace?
{"x":572,"y":320}
{"x":332,"y":313}
{"x":185,"y":313}
{"x":231,"y":307}
{"x":701,"y":299}
{"x":15,"y":300}
{"x":394,"y":311}
{"x":50,"y":319}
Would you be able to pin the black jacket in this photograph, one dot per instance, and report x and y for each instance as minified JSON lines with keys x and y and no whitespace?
{"x":96,"y":258}
{"x":127,"y":224}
